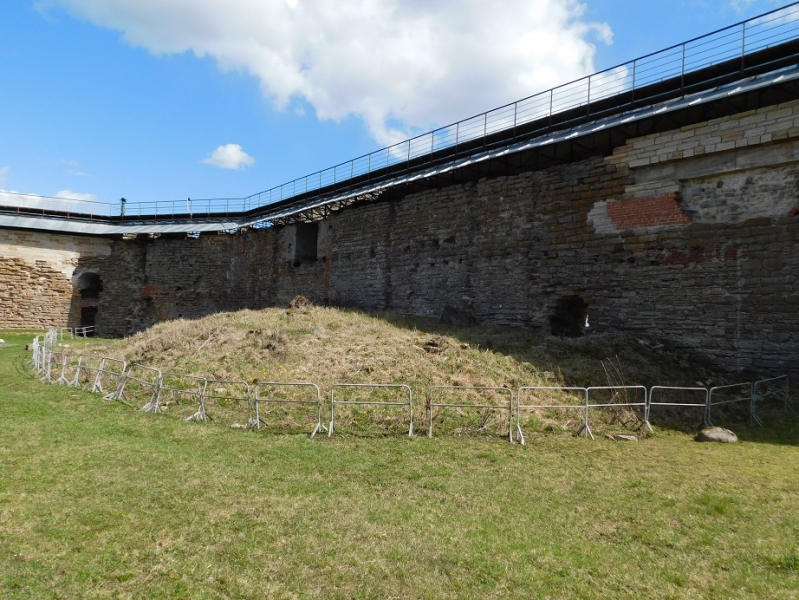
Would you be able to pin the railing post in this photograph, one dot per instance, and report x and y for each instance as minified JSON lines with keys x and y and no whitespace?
{"x":588,"y":99}
{"x":635,"y":64}
{"x":515,"y":111}
{"x":743,"y":46}
{"x":682,"y":71}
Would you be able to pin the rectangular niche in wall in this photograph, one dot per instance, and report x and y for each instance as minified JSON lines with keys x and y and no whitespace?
{"x":306,"y":241}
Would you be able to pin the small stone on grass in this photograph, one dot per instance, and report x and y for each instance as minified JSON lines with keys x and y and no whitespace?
{"x":716,"y":434}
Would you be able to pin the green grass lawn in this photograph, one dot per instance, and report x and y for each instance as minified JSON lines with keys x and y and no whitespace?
{"x":99,"y":500}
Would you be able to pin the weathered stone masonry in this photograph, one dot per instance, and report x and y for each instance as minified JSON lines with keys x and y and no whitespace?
{"x":691,"y":235}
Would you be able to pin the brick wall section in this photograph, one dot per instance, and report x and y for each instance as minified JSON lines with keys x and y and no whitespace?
{"x":614,"y":230}
{"x":654,"y":211}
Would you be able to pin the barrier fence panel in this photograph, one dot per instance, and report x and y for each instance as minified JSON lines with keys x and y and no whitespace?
{"x":87,"y":370}
{"x":139,"y":382}
{"x":540,"y":400}
{"x":774,"y":387}
{"x":374,"y":392}
{"x":36,"y":353}
{"x":110,"y":374}
{"x":229,"y":402}
{"x":70,"y":371}
{"x":66,"y":371}
{"x":484,"y":399}
{"x":625,"y":402}
{"x":51,"y":338}
{"x":677,"y":396}
{"x":52,"y":360}
{"x":289,"y":404}
{"x":182,"y":395}
{"x":728,"y":394}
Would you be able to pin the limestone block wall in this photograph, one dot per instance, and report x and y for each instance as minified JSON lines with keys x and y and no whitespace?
{"x":690,"y":235}
{"x":36,"y":276}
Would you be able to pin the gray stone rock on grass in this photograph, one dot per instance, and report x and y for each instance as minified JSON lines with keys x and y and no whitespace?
{"x":716,"y":434}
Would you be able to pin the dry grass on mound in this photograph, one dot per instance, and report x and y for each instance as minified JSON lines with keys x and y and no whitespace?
{"x":329,"y":345}
{"x":326,"y":346}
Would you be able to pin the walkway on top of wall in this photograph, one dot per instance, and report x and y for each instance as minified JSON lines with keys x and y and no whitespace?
{"x":738,"y":68}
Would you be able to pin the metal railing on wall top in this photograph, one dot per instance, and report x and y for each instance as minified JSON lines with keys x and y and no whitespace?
{"x":673,"y":64}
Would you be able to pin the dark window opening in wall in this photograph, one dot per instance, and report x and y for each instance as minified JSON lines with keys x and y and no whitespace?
{"x":90,"y":286}
{"x":569,"y":317}
{"x":88,"y":316}
{"x":306,"y":242}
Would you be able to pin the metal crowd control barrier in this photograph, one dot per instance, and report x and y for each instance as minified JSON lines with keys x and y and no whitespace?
{"x":774,"y":386}
{"x":173,"y":383}
{"x":51,"y":338}
{"x":49,"y":357}
{"x":746,"y":388}
{"x":519,"y":406}
{"x":62,"y":377}
{"x":317,"y":401}
{"x":70,"y":373}
{"x":617,"y":392}
{"x":87,"y":369}
{"x":137,"y":373}
{"x":105,"y":371}
{"x":664,"y":388}
{"x":375,"y":386}
{"x":456,"y":388}
{"x":36,"y":353}
{"x":224,"y":398}
{"x":70,"y":370}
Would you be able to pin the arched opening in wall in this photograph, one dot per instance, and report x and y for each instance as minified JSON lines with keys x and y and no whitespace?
{"x":569,"y":317}
{"x":89,"y":287}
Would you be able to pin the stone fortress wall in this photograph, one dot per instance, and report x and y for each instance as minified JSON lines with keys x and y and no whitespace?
{"x":691,"y":236}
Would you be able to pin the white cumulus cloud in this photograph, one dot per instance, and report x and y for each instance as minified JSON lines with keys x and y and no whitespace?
{"x":62,"y":200}
{"x":400,"y":65}
{"x":229,"y":156}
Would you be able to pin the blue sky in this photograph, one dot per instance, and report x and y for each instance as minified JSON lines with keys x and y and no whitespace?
{"x":166,"y":99}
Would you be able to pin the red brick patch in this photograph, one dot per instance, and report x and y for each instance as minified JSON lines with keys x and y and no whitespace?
{"x":653,"y":211}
